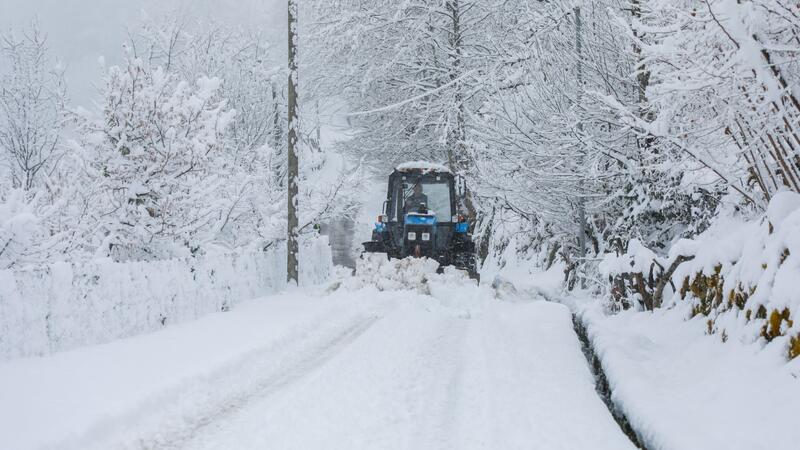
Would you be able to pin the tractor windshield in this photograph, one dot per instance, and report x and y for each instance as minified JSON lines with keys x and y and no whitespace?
{"x":435,"y":194}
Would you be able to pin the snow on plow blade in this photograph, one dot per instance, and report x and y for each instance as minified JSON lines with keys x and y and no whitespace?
{"x":410,"y":273}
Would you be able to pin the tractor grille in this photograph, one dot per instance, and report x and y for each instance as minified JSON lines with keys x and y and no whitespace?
{"x":419,"y":240}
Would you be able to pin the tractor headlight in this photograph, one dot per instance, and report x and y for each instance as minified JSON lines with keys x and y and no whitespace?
{"x":426,"y":236}
{"x":412,"y":236}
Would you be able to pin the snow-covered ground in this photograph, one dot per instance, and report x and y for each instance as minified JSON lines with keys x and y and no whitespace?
{"x":343,"y":366}
{"x":398,"y":357}
{"x":678,"y":386}
{"x":683,"y":389}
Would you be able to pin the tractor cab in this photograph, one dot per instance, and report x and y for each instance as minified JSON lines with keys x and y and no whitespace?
{"x":420,"y":218}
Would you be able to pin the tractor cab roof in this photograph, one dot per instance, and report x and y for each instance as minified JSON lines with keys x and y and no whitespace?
{"x":422,"y":167}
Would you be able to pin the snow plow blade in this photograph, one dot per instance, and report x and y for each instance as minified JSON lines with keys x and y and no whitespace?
{"x":374,"y":247}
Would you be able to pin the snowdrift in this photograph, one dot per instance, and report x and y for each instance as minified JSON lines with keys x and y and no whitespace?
{"x":683,"y":389}
{"x":62,"y":306}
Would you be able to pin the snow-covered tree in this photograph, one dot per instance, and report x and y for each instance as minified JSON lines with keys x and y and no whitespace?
{"x":407,"y":70}
{"x":723,"y":89}
{"x":155,"y":153}
{"x":252,"y":78}
{"x":32,"y":105}
{"x":243,"y":201}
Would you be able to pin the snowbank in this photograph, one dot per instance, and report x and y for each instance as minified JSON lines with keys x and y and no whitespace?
{"x":683,"y":389}
{"x":709,"y":369}
{"x":63,"y":306}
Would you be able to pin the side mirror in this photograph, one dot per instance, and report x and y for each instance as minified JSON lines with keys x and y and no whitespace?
{"x":385,"y":207}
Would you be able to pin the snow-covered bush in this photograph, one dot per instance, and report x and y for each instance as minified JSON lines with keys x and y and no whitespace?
{"x":155,"y":155}
{"x":633,"y":275}
{"x":743,"y":275}
{"x":251,"y":202}
{"x":40,"y":225}
{"x":19,"y":229}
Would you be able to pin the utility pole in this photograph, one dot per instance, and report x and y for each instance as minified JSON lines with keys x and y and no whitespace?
{"x":581,"y":160}
{"x":318,"y":125}
{"x":293,"y":224}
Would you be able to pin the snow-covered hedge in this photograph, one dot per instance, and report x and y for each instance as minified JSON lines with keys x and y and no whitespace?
{"x":63,"y":306}
{"x":744,"y":276}
{"x":741,"y":274}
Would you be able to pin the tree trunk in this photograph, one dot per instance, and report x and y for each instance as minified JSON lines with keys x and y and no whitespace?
{"x":658,"y":295}
{"x":582,"y":228}
{"x":457,"y":146}
{"x":292,"y":226}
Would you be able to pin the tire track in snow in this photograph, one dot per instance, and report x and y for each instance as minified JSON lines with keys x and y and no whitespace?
{"x":290,"y":373}
{"x":443,"y":362}
{"x":201,"y":404}
{"x":454,"y":380}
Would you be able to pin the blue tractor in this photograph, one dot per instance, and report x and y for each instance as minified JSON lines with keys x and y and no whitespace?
{"x":420,"y":218}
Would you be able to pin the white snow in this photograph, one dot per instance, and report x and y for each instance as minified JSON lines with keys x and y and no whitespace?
{"x":354,"y":368}
{"x":680,"y":387}
{"x":513,"y":274}
{"x":638,"y":259}
{"x":758,"y":257}
{"x":18,"y":227}
{"x":74,"y":398}
{"x":782,"y":205}
{"x":425,"y":166}
{"x":683,"y":389}
{"x":509,"y":377}
{"x":139,"y":308}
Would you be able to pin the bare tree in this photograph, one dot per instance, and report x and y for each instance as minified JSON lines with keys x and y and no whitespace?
{"x":32,"y":98}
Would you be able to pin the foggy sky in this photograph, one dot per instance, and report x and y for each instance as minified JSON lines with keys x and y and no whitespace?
{"x":81,"y":31}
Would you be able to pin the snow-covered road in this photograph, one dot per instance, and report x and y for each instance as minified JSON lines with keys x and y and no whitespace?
{"x":353,"y":369}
